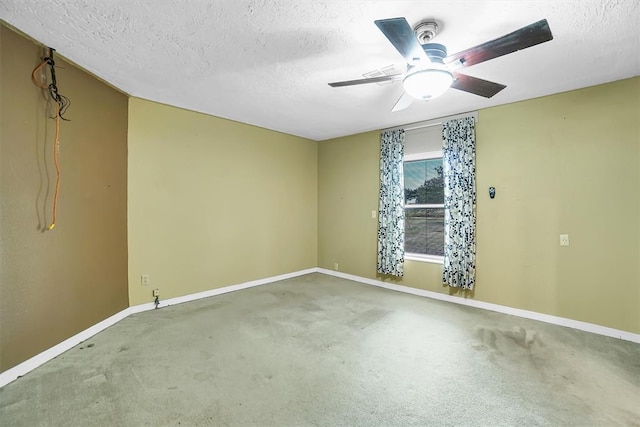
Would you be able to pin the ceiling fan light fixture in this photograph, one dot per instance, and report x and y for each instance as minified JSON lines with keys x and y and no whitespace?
{"x":427,"y":84}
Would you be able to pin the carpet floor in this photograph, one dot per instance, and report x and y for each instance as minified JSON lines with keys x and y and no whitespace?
{"x":322,"y":351}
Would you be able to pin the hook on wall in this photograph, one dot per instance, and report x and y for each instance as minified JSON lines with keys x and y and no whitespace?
{"x":492,"y":192}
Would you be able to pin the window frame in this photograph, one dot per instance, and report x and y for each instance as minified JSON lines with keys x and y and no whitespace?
{"x":427,"y":155}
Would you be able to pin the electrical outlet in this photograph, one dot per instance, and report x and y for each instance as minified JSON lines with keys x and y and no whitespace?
{"x":156,"y":292}
{"x":335,"y":266}
{"x":373,"y":214}
{"x":564,"y":240}
{"x":144,"y":279}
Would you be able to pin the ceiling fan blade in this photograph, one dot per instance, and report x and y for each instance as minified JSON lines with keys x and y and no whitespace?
{"x":402,"y":37}
{"x":475,"y":85}
{"x":403,"y":103}
{"x":380,"y":79}
{"x":531,"y":35}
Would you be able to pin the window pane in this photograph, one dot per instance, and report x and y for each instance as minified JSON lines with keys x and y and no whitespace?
{"x":423,"y":182}
{"x":424,"y":231}
{"x":414,"y":174}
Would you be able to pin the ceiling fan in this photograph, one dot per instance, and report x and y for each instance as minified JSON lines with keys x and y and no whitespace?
{"x":430,"y":72}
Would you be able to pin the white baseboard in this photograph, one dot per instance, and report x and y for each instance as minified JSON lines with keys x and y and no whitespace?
{"x":555,"y":320}
{"x":28,"y":365}
{"x":219,"y":291}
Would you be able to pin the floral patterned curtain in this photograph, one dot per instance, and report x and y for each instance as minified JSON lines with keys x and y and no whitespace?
{"x":459,"y":163}
{"x":391,"y":209}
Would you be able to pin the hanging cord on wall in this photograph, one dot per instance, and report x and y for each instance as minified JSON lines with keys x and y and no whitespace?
{"x":62,"y":104}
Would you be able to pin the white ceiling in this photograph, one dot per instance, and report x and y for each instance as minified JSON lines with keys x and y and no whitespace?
{"x":268,"y":62}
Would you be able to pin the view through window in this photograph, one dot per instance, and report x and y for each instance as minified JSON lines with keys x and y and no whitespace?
{"x":424,"y":194}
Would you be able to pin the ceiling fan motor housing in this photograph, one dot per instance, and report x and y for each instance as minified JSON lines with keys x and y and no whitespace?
{"x":428,"y":81}
{"x":435,"y":51}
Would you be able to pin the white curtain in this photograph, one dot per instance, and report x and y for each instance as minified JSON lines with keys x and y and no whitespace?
{"x":459,"y":164}
{"x":391,"y":209}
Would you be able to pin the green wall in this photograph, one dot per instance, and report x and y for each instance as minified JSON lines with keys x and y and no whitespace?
{"x":208,"y":202}
{"x":214,"y":202}
{"x":567,"y":163}
{"x":54,"y":284}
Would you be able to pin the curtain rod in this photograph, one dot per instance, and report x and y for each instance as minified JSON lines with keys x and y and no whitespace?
{"x":434,"y":122}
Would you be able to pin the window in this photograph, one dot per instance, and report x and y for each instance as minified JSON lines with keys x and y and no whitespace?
{"x":424,"y":195}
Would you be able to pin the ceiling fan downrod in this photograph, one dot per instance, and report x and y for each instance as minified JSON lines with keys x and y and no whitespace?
{"x":426,"y":31}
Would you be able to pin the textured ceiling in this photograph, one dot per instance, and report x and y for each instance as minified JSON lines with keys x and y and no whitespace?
{"x":268,"y":62}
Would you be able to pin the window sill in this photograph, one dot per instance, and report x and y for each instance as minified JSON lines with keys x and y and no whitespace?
{"x":432,"y":259}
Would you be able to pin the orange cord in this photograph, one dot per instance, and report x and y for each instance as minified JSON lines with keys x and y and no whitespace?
{"x":35,"y":78}
{"x":41,"y":85}
{"x":56,"y":148}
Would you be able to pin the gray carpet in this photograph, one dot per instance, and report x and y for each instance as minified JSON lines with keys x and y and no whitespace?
{"x":323,"y":351}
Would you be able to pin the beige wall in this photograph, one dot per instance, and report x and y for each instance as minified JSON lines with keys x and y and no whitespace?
{"x":214,"y":202}
{"x":568,"y":163}
{"x":57,"y":283}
